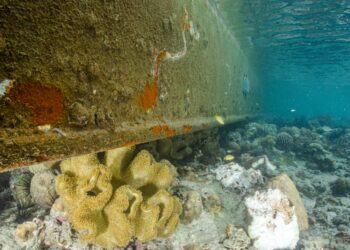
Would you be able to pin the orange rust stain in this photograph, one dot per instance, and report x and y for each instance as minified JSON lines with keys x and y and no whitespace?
{"x":148,"y":99}
{"x":163,"y":129}
{"x":186,"y":128}
{"x":184,"y":21}
{"x":44,"y":102}
{"x":41,"y":158}
{"x":157,"y":130}
{"x":168,"y":132}
{"x":161,"y":56}
{"x":130,"y":143}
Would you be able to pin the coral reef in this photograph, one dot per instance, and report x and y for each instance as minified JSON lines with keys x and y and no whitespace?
{"x":274,"y":224}
{"x":176,"y":148}
{"x":255,"y":138}
{"x":5,"y":191}
{"x":315,"y":161}
{"x":342,"y":145}
{"x":308,"y":144}
{"x":237,"y":240}
{"x":219,"y":210}
{"x":201,"y":233}
{"x":192,"y":207}
{"x":184,"y":147}
{"x":322,"y":158}
{"x":233,"y":140}
{"x":25,"y":231}
{"x":20,"y":189}
{"x":59,"y":210}
{"x":287,"y":187}
{"x":212,"y":203}
{"x":46,"y":234}
{"x":233,"y":175}
{"x":42,"y":188}
{"x":262,"y":163}
{"x":254,"y":130}
{"x":36,"y":168}
{"x":340,"y":187}
{"x":179,"y":150}
{"x":284,"y":141}
{"x":110,"y":204}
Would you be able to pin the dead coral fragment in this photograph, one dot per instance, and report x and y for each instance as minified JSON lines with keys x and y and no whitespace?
{"x":109,"y":204}
{"x":193,"y":207}
{"x":25,"y":231}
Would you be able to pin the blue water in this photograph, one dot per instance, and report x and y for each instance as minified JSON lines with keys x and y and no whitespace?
{"x":300,"y":50}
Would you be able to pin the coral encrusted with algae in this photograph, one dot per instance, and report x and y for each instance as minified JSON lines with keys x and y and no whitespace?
{"x":125,"y":197}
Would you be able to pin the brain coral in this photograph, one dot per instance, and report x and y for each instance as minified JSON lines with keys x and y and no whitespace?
{"x":111,"y":203}
{"x":284,"y":140}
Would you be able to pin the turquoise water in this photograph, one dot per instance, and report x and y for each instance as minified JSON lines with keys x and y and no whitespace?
{"x":300,"y":50}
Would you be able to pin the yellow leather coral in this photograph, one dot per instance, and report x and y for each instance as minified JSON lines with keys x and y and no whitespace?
{"x":123,"y":198}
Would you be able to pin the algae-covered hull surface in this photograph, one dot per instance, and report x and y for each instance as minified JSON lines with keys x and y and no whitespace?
{"x":85,"y":76}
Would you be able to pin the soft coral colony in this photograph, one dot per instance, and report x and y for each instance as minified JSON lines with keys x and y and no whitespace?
{"x":111,"y":203}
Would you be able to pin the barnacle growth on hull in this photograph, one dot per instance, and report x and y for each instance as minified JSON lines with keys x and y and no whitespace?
{"x":123,"y":198}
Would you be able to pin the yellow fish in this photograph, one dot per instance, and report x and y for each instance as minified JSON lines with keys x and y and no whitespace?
{"x":44,"y":128}
{"x":229,"y":158}
{"x":219,"y":119}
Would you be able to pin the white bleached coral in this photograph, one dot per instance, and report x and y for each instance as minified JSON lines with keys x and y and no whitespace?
{"x":262,"y":163}
{"x":239,"y":240}
{"x":274,"y":223}
{"x":233,"y":175}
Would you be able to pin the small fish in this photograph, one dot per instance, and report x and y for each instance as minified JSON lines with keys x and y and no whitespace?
{"x":219,"y":119}
{"x":229,"y":157}
{"x":293,"y":110}
{"x":44,"y":128}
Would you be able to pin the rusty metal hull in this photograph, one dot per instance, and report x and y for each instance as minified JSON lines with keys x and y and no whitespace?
{"x":84,"y":76}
